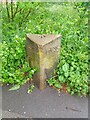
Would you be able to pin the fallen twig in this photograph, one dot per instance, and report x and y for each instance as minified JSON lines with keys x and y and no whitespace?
{"x":73,"y":109}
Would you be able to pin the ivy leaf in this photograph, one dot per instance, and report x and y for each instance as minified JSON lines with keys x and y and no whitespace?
{"x":65,"y":67}
{"x":58,"y":85}
{"x":66,"y":74}
{"x":61,"y":79}
{"x":15,"y":87}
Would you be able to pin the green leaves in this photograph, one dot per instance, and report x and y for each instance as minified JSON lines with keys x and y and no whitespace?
{"x":66,"y":74}
{"x":46,"y":18}
{"x":65,"y":67}
{"x":61,"y":79}
{"x":30,"y":89}
{"x":73,"y":66}
{"x":51,"y":81}
{"x":14,"y":65}
{"x":58,"y":85}
{"x":15,"y":87}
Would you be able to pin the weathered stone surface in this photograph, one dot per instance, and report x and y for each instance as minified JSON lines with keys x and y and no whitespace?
{"x":43,"y":52}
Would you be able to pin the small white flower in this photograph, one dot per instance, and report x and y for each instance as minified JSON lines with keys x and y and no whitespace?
{"x":16,"y":36}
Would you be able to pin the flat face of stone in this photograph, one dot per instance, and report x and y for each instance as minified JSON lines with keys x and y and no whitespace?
{"x":43,"y":53}
{"x":42,"y":39}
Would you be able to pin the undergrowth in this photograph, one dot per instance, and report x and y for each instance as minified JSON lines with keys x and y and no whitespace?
{"x":68,"y":19}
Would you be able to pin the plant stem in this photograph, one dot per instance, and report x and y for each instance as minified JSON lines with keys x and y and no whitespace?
{"x":28,"y":14}
{"x":12,"y":10}
{"x":15,"y":11}
{"x":7,"y":10}
{"x":54,"y":76}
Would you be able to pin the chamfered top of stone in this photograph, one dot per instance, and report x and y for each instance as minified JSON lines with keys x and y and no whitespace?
{"x":42,"y":39}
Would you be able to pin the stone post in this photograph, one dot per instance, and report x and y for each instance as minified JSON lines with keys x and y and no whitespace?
{"x":43,"y":53}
